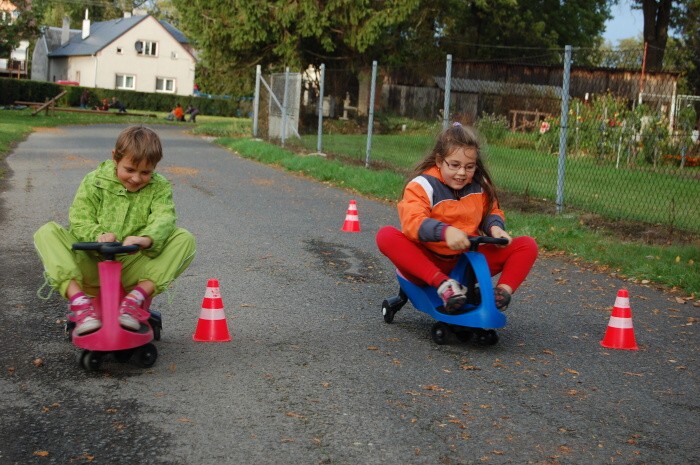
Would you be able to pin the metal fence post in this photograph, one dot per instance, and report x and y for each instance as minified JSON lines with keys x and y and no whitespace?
{"x":370,"y":122}
{"x":448,"y":83}
{"x":256,"y":100}
{"x":563,"y":128}
{"x":283,"y":132}
{"x":319,"y":107}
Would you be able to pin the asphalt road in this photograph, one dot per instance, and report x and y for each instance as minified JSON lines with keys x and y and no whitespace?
{"x":313,"y":375}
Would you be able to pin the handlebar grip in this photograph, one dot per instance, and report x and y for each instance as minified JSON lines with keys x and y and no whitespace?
{"x":476,"y":240}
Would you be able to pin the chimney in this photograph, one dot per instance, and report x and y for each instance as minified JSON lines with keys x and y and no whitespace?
{"x":86,"y":26}
{"x":65,"y":31}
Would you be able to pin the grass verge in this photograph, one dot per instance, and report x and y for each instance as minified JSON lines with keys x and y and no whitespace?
{"x":671,"y":266}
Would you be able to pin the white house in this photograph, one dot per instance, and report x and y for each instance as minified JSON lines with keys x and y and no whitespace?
{"x":137,"y":53}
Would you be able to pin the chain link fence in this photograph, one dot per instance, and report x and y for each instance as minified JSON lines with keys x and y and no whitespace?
{"x":623,"y":145}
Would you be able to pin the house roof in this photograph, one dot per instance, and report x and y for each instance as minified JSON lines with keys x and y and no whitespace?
{"x":52,"y":36}
{"x":104,"y":33}
{"x":498,"y":88}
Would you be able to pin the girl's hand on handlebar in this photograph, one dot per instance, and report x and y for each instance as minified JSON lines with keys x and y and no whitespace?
{"x":456,"y":239}
{"x":142,"y":241}
{"x":107,"y":237}
{"x":497,"y":232}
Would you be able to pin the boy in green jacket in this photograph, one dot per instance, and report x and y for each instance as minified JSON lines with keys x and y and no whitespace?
{"x":122,"y":200}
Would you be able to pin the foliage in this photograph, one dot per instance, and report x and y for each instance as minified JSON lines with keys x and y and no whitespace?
{"x":516,"y":25}
{"x":25,"y":27}
{"x":235,"y":36}
{"x":12,"y":90}
{"x":493,"y":127}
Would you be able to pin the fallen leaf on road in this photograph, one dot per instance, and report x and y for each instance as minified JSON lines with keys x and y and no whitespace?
{"x":41,"y":453}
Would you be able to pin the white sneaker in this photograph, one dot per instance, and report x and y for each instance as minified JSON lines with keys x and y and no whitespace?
{"x":453,"y":295}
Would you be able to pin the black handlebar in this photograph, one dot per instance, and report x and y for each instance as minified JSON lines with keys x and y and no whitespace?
{"x":476,"y":240}
{"x":107,"y":249}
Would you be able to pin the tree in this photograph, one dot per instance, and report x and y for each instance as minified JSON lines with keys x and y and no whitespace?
{"x":657,"y":18}
{"x":686,"y":24}
{"x":25,"y":27}
{"x":236,"y":35}
{"x":507,"y":28}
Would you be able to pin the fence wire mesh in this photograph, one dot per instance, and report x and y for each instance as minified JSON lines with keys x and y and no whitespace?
{"x":630,"y":150}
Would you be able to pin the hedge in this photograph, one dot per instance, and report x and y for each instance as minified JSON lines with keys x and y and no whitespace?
{"x":24,"y":90}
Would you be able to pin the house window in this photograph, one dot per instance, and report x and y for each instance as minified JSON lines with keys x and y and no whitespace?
{"x":125,"y":81}
{"x":165,"y":85}
{"x":147,"y":48}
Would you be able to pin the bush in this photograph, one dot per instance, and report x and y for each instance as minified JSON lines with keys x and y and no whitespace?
{"x":492,"y":127}
{"x":12,"y":90}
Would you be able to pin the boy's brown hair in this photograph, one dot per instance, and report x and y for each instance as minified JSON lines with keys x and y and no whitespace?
{"x":140,"y":144}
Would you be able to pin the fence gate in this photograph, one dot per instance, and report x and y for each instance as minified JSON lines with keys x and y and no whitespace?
{"x":282,"y":103}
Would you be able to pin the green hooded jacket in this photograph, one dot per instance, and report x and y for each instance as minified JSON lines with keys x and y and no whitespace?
{"x":102,"y":205}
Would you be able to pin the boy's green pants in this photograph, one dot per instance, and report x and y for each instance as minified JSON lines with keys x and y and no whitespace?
{"x":62,"y":264}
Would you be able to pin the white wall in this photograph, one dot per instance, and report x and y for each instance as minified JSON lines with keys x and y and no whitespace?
{"x":145,"y":69}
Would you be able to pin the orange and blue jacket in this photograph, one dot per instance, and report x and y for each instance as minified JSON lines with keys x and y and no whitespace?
{"x":429,"y":205}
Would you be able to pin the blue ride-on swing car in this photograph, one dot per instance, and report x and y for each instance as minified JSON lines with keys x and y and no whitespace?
{"x":478,"y":317}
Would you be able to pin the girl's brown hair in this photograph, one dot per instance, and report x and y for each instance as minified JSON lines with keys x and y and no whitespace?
{"x":140,"y":143}
{"x":454,"y":137}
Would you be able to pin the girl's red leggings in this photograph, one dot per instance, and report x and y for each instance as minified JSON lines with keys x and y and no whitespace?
{"x":421,"y":266}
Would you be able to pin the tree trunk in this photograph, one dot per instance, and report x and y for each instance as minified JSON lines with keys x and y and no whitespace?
{"x":657,"y":14}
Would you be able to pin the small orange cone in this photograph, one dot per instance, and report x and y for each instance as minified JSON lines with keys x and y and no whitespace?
{"x":212,"y":326}
{"x":620,"y":332}
{"x":352,"y":221}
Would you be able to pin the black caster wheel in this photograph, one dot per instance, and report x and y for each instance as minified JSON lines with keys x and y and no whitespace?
{"x":156,"y":322}
{"x":123,"y":356}
{"x":487,"y":337}
{"x":69,"y":327}
{"x":145,"y":356}
{"x":440,"y":332}
{"x":464,"y":335}
{"x":387,"y":312}
{"x":89,"y":360}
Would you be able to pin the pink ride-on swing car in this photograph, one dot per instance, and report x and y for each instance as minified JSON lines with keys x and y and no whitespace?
{"x":111,"y":338}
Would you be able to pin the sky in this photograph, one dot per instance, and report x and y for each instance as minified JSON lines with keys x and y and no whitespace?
{"x":626,"y":23}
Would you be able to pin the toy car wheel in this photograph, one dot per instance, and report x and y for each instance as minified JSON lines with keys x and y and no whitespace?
{"x":464,"y":335}
{"x":123,"y":356}
{"x":89,"y":360}
{"x":488,"y":337}
{"x":387,"y":312}
{"x":440,"y":332}
{"x":145,"y":356}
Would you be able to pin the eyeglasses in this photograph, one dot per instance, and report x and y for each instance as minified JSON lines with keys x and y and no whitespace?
{"x":454,"y":166}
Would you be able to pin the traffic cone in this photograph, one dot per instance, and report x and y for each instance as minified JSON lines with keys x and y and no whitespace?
{"x":352,"y":221}
{"x":212,"y":326}
{"x":620,"y":332}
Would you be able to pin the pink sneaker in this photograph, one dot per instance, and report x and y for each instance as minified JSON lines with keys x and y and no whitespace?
{"x":131,"y":315}
{"x":85,"y":318}
{"x":453,"y":295}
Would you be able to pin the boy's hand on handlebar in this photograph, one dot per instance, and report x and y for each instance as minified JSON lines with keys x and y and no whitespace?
{"x":456,"y":239}
{"x":107,"y":237}
{"x":142,"y":241}
{"x":497,"y":232}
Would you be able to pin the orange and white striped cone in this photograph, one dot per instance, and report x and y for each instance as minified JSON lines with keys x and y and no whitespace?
{"x":352,"y":220}
{"x":212,"y":326}
{"x":620,"y":332}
